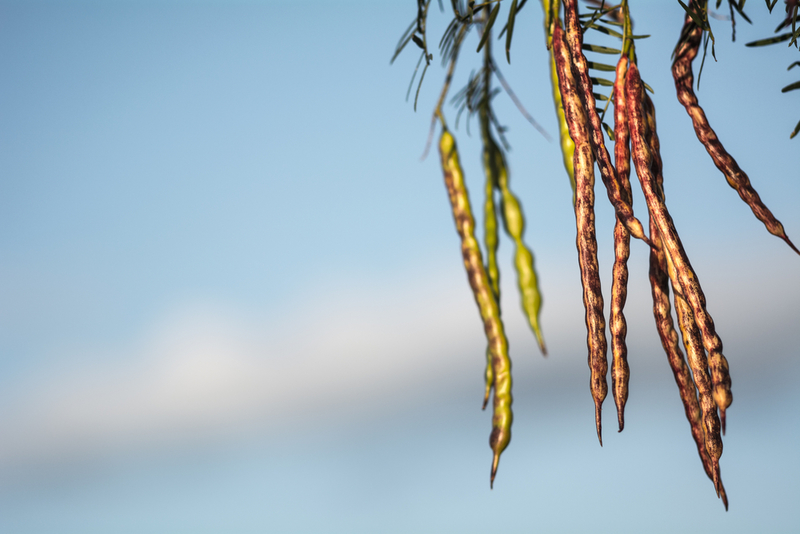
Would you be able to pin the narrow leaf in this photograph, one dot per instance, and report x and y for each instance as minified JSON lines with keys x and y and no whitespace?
{"x":772,"y":40}
{"x":791,"y":87}
{"x":601,"y":66}
{"x":600,"y":49}
{"x":602,"y":81}
{"x":488,"y":27}
{"x":512,"y":14}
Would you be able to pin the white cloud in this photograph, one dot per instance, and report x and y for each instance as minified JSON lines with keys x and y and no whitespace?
{"x":207,"y":371}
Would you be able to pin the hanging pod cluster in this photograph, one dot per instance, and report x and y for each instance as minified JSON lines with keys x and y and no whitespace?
{"x":693,"y":349}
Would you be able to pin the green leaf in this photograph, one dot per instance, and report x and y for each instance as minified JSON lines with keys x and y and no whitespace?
{"x":796,"y":130}
{"x":488,"y":27}
{"x":640,"y":36}
{"x":771,"y":5}
{"x":600,"y":96}
{"x":772,"y":40}
{"x":791,"y":87}
{"x":795,"y":64}
{"x":404,"y":39}
{"x":602,"y":81}
{"x":601,"y":66}
{"x":600,"y":49}
{"x":607,"y":31}
{"x":697,"y":18}
{"x":648,"y":88}
{"x":738,"y":8}
{"x":512,"y":15}
{"x":609,"y":131}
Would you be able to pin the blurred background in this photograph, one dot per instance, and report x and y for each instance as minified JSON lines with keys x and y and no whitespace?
{"x":232,"y":298}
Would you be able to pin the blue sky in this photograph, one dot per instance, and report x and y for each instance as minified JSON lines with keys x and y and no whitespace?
{"x":231,"y":296}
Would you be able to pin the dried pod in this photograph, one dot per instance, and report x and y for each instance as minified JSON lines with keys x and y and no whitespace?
{"x":484,"y":297}
{"x":620,"y":372}
{"x":703,"y":415}
{"x":688,"y":283}
{"x":584,"y":216}
{"x":623,"y":208}
{"x":685,"y":53}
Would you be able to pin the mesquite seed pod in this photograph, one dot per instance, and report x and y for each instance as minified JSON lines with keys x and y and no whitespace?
{"x":567,"y":145}
{"x":584,"y":218}
{"x":623,"y":208}
{"x":659,"y":283}
{"x":620,"y":372}
{"x":702,"y":415}
{"x":686,"y":51}
{"x":514,"y":223}
{"x":491,"y":241}
{"x":688,"y":283}
{"x":484,"y":297}
{"x":490,"y":235}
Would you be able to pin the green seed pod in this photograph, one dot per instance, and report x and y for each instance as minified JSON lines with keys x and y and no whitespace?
{"x":688,"y":283}
{"x":567,"y":145}
{"x":685,"y":52}
{"x":490,"y":235}
{"x":491,"y":242}
{"x":514,"y":223}
{"x":484,"y":297}
{"x":584,"y":218}
{"x":620,"y":372}
{"x":574,"y":36}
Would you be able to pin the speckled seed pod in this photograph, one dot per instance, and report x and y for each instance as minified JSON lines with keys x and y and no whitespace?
{"x":584,"y":216}
{"x":514,"y":223}
{"x":659,"y":284}
{"x":692,"y":341}
{"x":687,"y":279}
{"x":623,"y":208}
{"x":484,"y":297}
{"x":689,"y":43}
{"x":702,"y":415}
{"x":491,"y":242}
{"x":620,"y":371}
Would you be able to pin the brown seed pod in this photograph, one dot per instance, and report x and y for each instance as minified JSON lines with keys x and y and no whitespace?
{"x":584,"y":216}
{"x":623,"y":208}
{"x":703,"y":415}
{"x":685,"y":52}
{"x":688,"y":283}
{"x":484,"y":297}
{"x":620,"y":372}
{"x":709,"y":444}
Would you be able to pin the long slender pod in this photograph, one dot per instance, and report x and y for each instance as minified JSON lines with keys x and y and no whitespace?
{"x":623,"y":209}
{"x":566,"y":142}
{"x":659,"y":284}
{"x":685,"y":52}
{"x":484,"y":297}
{"x":620,"y":371}
{"x":584,"y":217}
{"x":687,"y":279}
{"x":514,"y":223}
{"x":490,"y":233}
{"x":491,"y":239}
{"x":703,"y":415}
